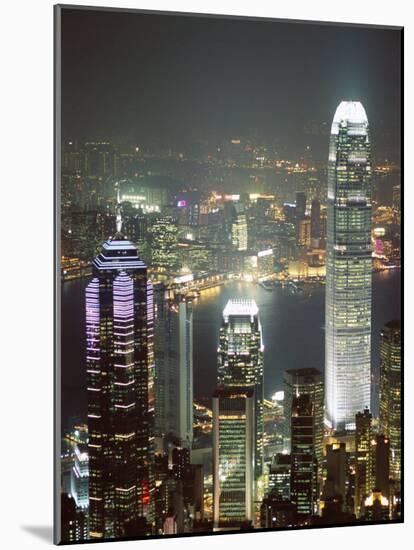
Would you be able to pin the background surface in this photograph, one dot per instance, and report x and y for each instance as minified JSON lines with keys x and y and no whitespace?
{"x":26,"y":303}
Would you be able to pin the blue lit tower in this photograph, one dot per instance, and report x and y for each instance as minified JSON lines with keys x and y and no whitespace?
{"x":119,"y":340}
{"x":348,"y":268}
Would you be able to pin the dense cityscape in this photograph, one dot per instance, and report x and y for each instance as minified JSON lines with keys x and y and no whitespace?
{"x":152,"y":460}
{"x":186,"y":409}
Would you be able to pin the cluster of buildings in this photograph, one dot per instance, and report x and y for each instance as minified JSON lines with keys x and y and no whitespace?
{"x":153,"y":461}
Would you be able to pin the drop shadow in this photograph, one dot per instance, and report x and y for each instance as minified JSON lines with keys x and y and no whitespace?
{"x":42,"y":532}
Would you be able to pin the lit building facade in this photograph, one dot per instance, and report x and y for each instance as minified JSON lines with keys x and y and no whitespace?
{"x":364,"y":455}
{"x":233,"y":456}
{"x":174,"y":368}
{"x":164,"y":243}
{"x":279,"y":475}
{"x":305,"y":381}
{"x":240,"y":361}
{"x":348,"y":269}
{"x":119,"y":343}
{"x":239,"y":229}
{"x":304,"y":483}
{"x":390,"y":393}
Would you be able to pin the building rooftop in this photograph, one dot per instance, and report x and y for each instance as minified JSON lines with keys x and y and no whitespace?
{"x":352,"y":112}
{"x":240,"y":306}
{"x":118,"y":253}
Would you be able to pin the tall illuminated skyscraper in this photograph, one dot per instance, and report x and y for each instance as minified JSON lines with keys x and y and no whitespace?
{"x":315,"y":223}
{"x":119,"y":341}
{"x":239,"y":229}
{"x":390,"y":393}
{"x":233,"y":456}
{"x":348,"y":268}
{"x":240,"y":360}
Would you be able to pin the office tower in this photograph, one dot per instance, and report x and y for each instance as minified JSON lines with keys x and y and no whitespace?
{"x":300,"y":205}
{"x":363,"y":459}
{"x":239,"y":228}
{"x":279,"y":475}
{"x":304,"y":485}
{"x":305,"y":381}
{"x":164,"y":243}
{"x":174,"y":367}
{"x":381,"y":460}
{"x":233,"y":456}
{"x":240,"y":360}
{"x":336,"y":474}
{"x":348,"y":269}
{"x":315,"y":223}
{"x":119,"y":343}
{"x":80,"y":477}
{"x":390,"y":392}
{"x":303,"y":229}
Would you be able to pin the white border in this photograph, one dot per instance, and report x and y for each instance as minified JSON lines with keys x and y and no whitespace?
{"x":27,"y":270}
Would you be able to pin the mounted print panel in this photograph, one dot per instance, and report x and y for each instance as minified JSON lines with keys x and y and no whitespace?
{"x":228,"y":274}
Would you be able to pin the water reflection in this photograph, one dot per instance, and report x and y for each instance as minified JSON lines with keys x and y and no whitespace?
{"x":292,"y":332}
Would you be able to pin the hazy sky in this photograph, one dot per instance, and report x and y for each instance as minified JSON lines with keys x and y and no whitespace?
{"x":170,"y":79}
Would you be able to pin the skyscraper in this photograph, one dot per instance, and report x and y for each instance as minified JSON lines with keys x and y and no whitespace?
{"x":233,"y":456}
{"x":300,"y":204}
{"x":304,"y":484}
{"x":174,"y":367}
{"x":315,"y":223}
{"x":239,"y":229}
{"x":381,"y":459}
{"x":164,"y":243}
{"x":364,"y":471}
{"x":240,"y":360}
{"x":390,"y":392}
{"x":305,"y":381}
{"x":348,"y":268}
{"x":119,"y":333}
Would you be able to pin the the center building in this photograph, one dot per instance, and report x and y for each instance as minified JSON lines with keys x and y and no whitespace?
{"x":238,"y":414}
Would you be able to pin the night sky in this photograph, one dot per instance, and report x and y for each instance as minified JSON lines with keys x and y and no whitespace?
{"x":167,"y":79}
